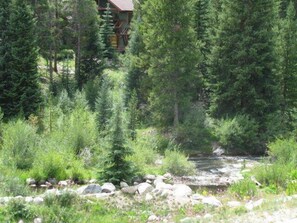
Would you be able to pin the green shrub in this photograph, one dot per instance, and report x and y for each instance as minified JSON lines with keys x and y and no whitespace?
{"x":291,"y":188}
{"x":12,"y":186}
{"x":176,"y":163}
{"x":238,"y":134}
{"x":65,"y":199}
{"x":20,"y":143}
{"x":284,"y":150}
{"x":194,"y":134}
{"x":18,"y":209}
{"x":50,"y":164}
{"x":64,"y":102}
{"x":244,"y":189}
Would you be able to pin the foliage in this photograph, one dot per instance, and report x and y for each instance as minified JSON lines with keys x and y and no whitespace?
{"x":117,"y":167}
{"x":172,"y":58}
{"x":12,"y":186}
{"x":193,"y":133}
{"x":238,"y":135}
{"x":18,"y":210}
{"x":133,"y":115}
{"x":284,"y":151}
{"x":244,"y":189}
{"x":176,"y":163}
{"x":20,"y":143}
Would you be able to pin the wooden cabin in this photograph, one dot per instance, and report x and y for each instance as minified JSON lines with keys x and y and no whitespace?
{"x":122,"y":11}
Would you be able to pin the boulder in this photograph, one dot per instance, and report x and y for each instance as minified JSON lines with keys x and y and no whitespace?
{"x":197,"y":197}
{"x":152,"y":218}
{"x":108,"y":188}
{"x":144,"y":188}
{"x":253,"y":204}
{"x":89,"y":189}
{"x":52,"y":181}
{"x":30,"y":181}
{"x":148,"y":197}
{"x":168,"y":175}
{"x":218,"y":151}
{"x":211,"y":201}
{"x":38,"y":200}
{"x":162,"y":186}
{"x":181,"y":190}
{"x":129,"y":189}
{"x":29,"y":199}
{"x":123,"y":184}
{"x":37,"y":220}
{"x":63,"y":183}
{"x":92,"y":181}
{"x":150,"y":177}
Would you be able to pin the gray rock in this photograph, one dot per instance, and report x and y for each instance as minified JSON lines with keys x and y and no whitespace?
{"x":148,"y":197}
{"x":197,"y":197}
{"x":211,"y":201}
{"x":129,"y":189}
{"x":253,"y":204}
{"x":52,"y":181}
{"x":89,"y":189}
{"x":30,"y":181}
{"x":144,"y":188}
{"x":233,"y":204}
{"x":108,"y":188}
{"x":123,"y":184}
{"x":4,"y":200}
{"x":150,"y":177}
{"x":181,"y":190}
{"x":29,"y":199}
{"x":37,"y":220}
{"x":218,"y":151}
{"x":162,"y":186}
{"x":104,"y":195}
{"x":38,"y":200}
{"x":63,"y":183}
{"x":152,"y":218}
{"x":168,"y":175}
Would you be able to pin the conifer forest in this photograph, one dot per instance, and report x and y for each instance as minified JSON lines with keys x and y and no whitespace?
{"x":121,"y":97}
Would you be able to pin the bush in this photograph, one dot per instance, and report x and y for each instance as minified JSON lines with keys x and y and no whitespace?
{"x":50,"y":164}
{"x":194,"y":133}
{"x":284,"y":150}
{"x":18,"y":210}
{"x":239,"y":134}
{"x":20,"y":143}
{"x":243,"y":189}
{"x":176,"y":163}
{"x":12,"y":186}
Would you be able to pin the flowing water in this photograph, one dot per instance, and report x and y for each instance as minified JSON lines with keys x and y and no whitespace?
{"x":218,"y":172}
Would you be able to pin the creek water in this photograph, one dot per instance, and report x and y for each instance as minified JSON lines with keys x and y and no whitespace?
{"x":218,"y":172}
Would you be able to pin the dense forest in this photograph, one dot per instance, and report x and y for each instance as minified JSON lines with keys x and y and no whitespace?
{"x":195,"y":76}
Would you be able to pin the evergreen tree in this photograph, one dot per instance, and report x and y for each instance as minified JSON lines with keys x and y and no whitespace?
{"x":117,"y":168}
{"x":106,"y":31}
{"x":5,"y":77}
{"x":287,"y":48}
{"x":23,"y":93}
{"x":103,"y":105}
{"x":133,"y":115}
{"x":243,"y":62}
{"x":170,"y":44}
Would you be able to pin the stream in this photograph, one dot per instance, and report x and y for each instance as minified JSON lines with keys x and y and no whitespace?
{"x":218,"y":172}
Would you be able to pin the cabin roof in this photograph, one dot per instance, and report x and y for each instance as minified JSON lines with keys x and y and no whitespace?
{"x":123,"y":5}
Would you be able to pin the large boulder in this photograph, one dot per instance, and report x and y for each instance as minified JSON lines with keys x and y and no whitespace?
{"x":211,"y":201}
{"x":89,"y":189}
{"x":181,"y":190}
{"x":150,"y":177}
{"x":108,"y":188}
{"x":129,"y":189}
{"x":144,"y":188}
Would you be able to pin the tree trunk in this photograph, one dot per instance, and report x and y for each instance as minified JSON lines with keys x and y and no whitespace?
{"x":176,"y":110}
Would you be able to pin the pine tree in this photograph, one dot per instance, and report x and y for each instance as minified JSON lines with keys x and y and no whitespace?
{"x":243,"y":62}
{"x":106,"y":31}
{"x":23,"y":93}
{"x":103,"y":106}
{"x":171,"y":50}
{"x":5,"y":77}
{"x":287,"y":48}
{"x":117,"y":167}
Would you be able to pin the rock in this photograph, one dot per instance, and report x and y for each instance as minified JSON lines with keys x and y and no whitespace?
{"x":148,"y":181}
{"x":135,"y":183}
{"x":104,"y":195}
{"x":162,"y":186}
{"x":251,"y":205}
{"x":152,"y":218}
{"x":150,"y":177}
{"x":63,"y":183}
{"x":38,"y":200}
{"x":29,"y":199}
{"x":51,"y":192}
{"x":44,"y":186}
{"x":89,"y":189}
{"x":93,"y":181}
{"x":37,"y":220}
{"x":168,"y":175}
{"x":211,"y":201}
{"x":148,"y":197}
{"x":129,"y":189}
{"x":30,"y":181}
{"x":181,"y":190}
{"x":52,"y":181}
{"x":108,"y":188}
{"x":218,"y":151}
{"x":233,"y":204}
{"x":197,"y":197}
{"x":21,"y":221}
{"x":123,"y":184}
{"x":4,"y":200}
{"x":144,"y":188}
{"x":33,"y":185}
